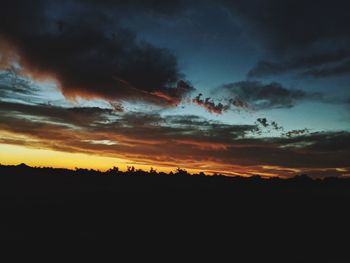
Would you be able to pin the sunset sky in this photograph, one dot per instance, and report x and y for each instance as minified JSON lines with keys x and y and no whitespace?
{"x":232,"y":87}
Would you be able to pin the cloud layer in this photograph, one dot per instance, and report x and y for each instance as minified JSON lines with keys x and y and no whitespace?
{"x":258,"y":96}
{"x":187,"y":141}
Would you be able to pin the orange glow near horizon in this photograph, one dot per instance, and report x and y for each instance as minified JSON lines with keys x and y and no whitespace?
{"x":40,"y":157}
{"x":14,"y":155}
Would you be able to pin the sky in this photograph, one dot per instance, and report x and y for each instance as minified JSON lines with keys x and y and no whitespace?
{"x":232,"y":87}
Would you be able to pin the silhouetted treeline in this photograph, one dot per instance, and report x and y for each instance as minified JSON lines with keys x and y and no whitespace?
{"x":135,"y":180}
{"x":260,"y":220}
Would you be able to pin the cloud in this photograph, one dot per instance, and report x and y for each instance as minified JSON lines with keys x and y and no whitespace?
{"x":84,"y":47}
{"x":303,"y":64}
{"x":255,"y":96}
{"x":173,"y":96}
{"x":194,"y":142}
{"x":14,"y":87}
{"x":240,"y":104}
{"x":73,"y":117}
{"x":273,"y":23}
{"x":210,"y":105}
{"x":118,"y":107}
{"x":259,"y":96}
{"x":329,"y":71}
{"x":296,"y":35}
{"x":296,"y":132}
{"x":263,"y":122}
{"x":263,"y":125}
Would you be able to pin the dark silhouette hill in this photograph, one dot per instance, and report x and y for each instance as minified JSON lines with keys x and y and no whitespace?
{"x":254,"y":219}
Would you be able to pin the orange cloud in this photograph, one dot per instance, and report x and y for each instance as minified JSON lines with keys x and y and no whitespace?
{"x":204,"y":145}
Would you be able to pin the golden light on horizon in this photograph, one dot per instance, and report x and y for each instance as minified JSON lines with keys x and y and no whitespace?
{"x":14,"y":155}
{"x":35,"y":157}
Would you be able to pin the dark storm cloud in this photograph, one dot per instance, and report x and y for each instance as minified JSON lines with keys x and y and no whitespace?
{"x":260,"y":96}
{"x":82,"y":46}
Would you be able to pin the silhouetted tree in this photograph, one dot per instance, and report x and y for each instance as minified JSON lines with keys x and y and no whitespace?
{"x":181,"y":172}
{"x":131,"y":169}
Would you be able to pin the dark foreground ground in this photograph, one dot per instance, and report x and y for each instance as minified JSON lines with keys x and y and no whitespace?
{"x":179,"y":217}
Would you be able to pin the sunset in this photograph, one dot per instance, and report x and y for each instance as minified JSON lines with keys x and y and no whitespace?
{"x":161,"y":85}
{"x":207,"y":90}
